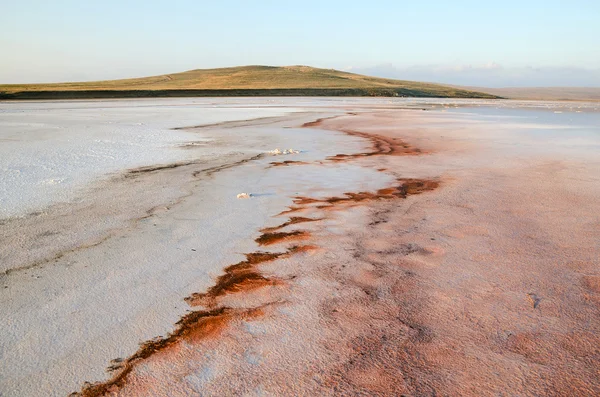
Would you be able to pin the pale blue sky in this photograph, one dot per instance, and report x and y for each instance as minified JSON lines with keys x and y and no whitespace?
{"x":463,"y":42}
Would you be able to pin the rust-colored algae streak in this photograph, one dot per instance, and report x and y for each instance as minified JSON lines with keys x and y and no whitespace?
{"x":277,"y":237}
{"x":242,"y":276}
{"x":417,"y":186}
{"x":406,"y":188}
{"x":242,"y":281}
{"x":293,"y":221}
{"x":302,"y":249}
{"x":382,"y":145}
{"x":317,"y":122}
{"x":287,"y":163}
{"x":291,"y":209}
{"x":198,"y":324}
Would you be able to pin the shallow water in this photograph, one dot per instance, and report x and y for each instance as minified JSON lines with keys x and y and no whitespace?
{"x":542,"y":130}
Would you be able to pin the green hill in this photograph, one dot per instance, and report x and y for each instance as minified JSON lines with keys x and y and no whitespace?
{"x":240,"y":81}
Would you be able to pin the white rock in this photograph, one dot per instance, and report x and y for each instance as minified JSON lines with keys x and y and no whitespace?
{"x":244,"y":195}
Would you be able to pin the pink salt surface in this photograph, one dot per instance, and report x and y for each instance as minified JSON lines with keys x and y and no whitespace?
{"x":488,"y":285}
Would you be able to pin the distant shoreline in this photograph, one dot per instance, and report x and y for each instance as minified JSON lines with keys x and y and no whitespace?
{"x":275,"y":92}
{"x":567,"y":94}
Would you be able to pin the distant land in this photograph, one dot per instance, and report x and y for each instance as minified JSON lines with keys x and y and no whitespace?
{"x":241,"y":81}
{"x":543,"y":93}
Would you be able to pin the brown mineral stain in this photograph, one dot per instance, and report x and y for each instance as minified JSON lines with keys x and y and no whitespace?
{"x":213,"y":170}
{"x":303,"y":249}
{"x":195,"y":325}
{"x":406,"y":188}
{"x":202,"y":324}
{"x":286,"y":163}
{"x":382,"y":145}
{"x":278,"y":237}
{"x":290,"y":210}
{"x":317,"y":122}
{"x":242,"y":276}
{"x":293,"y":220}
{"x":148,"y":169}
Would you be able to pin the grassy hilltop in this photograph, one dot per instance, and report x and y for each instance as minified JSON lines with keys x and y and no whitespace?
{"x":240,"y":81}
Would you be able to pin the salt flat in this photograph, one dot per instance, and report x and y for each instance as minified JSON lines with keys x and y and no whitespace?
{"x":51,"y":149}
{"x":70,"y":303}
{"x":106,"y":259}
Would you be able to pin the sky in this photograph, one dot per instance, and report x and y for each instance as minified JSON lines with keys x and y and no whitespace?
{"x":480,"y":43}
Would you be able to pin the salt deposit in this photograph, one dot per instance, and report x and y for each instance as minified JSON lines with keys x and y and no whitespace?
{"x":49,"y":150}
{"x":88,"y":280}
{"x":73,"y":300}
{"x":284,"y":152}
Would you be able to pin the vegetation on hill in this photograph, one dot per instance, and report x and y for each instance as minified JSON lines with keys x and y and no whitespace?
{"x":240,"y":81}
